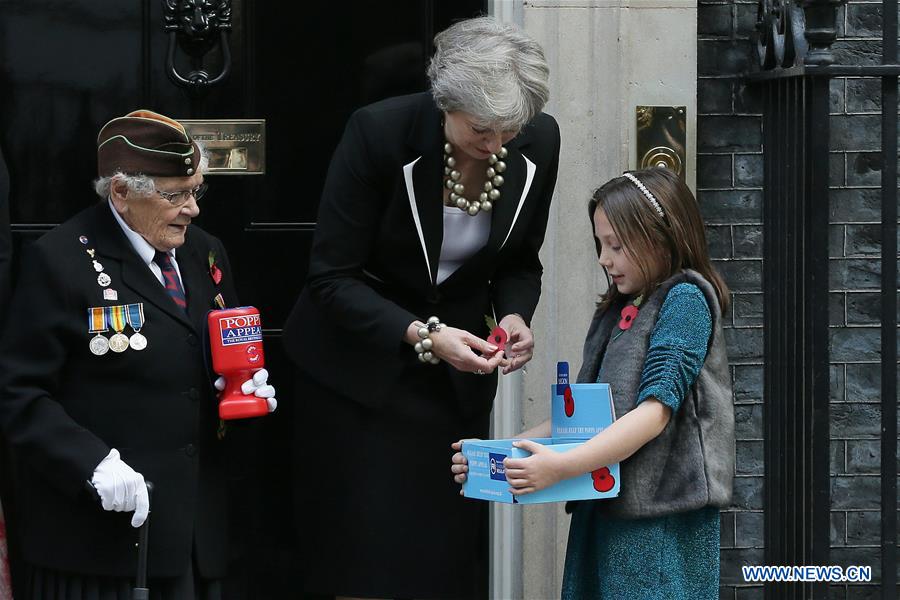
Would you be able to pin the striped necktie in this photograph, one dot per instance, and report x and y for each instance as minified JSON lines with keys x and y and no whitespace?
{"x":170,"y":276}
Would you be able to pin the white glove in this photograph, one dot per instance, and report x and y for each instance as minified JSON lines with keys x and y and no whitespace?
{"x":121,"y":488}
{"x":256,"y":386}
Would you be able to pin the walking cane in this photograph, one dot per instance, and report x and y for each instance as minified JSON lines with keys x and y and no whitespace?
{"x":141,"y":591}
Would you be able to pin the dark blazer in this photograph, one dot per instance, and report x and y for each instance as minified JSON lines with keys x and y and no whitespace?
{"x":377,"y":246}
{"x":63,"y":408}
{"x":5,"y":241}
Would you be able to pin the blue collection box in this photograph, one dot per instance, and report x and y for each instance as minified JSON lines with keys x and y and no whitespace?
{"x":487,"y":478}
{"x":578,"y":412}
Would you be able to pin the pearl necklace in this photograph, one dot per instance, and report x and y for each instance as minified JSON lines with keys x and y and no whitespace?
{"x":492,"y":185}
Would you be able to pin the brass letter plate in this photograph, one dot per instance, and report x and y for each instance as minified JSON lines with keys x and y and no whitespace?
{"x":234,"y":147}
{"x":661,"y":137}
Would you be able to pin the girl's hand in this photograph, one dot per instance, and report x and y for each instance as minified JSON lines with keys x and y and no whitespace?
{"x":459,"y":466}
{"x":520,"y":346}
{"x":540,"y":470}
{"x":457,"y":347}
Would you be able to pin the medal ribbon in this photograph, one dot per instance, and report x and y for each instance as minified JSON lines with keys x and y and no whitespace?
{"x":97,"y":321}
{"x":135,"y":315}
{"x":117,"y":317}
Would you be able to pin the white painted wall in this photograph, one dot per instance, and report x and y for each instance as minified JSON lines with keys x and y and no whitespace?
{"x":606,"y":57}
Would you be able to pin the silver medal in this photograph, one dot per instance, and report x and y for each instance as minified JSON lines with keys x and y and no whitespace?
{"x":99,"y":345}
{"x":118,"y":342}
{"x":138,"y":341}
{"x":103,"y":280}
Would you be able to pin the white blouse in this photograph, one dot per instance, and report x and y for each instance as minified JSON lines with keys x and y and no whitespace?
{"x":463,"y":237}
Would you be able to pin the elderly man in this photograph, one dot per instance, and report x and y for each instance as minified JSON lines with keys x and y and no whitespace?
{"x":104,"y":380}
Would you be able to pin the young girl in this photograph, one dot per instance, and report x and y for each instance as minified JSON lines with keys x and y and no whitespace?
{"x":657,"y":339}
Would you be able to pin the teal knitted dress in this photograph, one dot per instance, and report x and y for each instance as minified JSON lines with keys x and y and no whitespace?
{"x":673,"y":557}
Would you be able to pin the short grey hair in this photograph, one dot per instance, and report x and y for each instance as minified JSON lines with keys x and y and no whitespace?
{"x":491,"y":70}
{"x":140,"y":184}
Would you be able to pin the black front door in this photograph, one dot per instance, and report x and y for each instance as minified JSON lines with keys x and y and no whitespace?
{"x":68,"y":66}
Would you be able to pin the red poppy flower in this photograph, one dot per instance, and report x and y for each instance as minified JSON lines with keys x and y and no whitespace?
{"x":603,"y":479}
{"x":499,"y":337}
{"x":216,"y":273}
{"x":569,"y":402}
{"x":628,"y":314}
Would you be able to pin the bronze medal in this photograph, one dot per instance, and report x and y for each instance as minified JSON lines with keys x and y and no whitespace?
{"x":118,"y":342}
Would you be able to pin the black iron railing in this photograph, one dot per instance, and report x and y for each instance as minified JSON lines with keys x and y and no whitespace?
{"x":796,"y":66}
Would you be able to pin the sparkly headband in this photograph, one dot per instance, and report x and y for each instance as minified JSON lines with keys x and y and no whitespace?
{"x":646,"y":193}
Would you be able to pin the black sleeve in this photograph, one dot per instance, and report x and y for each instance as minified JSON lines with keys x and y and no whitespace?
{"x":33,"y":354}
{"x":346,"y":230}
{"x":516,"y":286}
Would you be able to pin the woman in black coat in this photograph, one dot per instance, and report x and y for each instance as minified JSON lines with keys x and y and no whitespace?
{"x":435,"y":205}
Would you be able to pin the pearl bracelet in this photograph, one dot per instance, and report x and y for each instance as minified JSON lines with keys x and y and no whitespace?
{"x":423,"y":347}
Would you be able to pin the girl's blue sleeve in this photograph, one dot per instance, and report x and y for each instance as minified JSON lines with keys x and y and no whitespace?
{"x":678,"y":346}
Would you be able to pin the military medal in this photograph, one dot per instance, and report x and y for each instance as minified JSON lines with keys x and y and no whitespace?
{"x":103,"y":280}
{"x":98,"y":267}
{"x":135,"y":316}
{"x":110,"y":294}
{"x":118,"y":342}
{"x":97,"y":323}
{"x":83,"y":239}
{"x":99,"y":345}
{"x":117,"y":319}
{"x":137,"y":341}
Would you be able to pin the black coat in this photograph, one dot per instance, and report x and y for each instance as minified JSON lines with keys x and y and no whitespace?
{"x":386,"y":420}
{"x":377,"y":246}
{"x":5,"y":241}
{"x":62,"y":408}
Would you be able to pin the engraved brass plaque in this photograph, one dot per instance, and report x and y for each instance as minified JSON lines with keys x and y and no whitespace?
{"x":234,"y":147}
{"x":662,"y":137}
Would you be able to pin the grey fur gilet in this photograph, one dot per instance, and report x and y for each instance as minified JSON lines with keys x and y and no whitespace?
{"x":691,"y":463}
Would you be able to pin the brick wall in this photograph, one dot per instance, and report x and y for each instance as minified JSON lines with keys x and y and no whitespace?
{"x":729,"y":183}
{"x":854,"y":256}
{"x":729,"y":189}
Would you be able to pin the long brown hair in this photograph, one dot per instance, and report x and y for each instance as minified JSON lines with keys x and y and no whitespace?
{"x":649,"y":238}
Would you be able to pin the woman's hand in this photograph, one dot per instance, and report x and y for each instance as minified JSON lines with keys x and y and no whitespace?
{"x":457,"y":347}
{"x":459,"y":466}
{"x":540,"y":470}
{"x":520,"y":345}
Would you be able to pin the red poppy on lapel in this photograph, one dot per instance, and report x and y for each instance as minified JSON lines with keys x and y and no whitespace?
{"x":214,"y":271}
{"x":628,"y":314}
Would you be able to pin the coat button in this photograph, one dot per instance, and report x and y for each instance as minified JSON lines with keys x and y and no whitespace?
{"x":190,"y":450}
{"x":194,"y":394}
{"x":192,"y":340}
